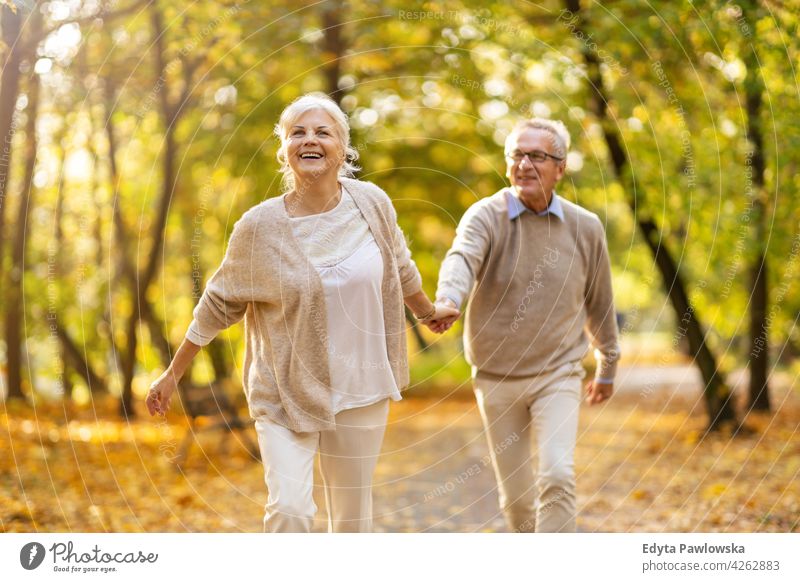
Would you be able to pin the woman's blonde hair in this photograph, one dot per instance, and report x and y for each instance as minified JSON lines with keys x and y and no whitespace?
{"x":341,"y":129}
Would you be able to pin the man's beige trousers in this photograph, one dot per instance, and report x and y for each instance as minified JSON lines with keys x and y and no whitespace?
{"x":547,"y":406}
{"x":348,"y":456}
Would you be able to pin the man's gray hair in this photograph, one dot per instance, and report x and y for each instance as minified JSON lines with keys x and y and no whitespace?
{"x":556,"y":129}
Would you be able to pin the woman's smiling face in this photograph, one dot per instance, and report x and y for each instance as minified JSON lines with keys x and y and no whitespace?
{"x":312,"y":147}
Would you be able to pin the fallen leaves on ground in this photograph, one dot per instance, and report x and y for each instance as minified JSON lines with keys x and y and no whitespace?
{"x":643,"y":464}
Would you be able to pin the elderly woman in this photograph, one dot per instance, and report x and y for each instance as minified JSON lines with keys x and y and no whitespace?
{"x":320,"y":275}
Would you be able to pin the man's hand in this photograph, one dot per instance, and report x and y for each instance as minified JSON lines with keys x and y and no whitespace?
{"x":444,"y":317}
{"x":597,"y":392}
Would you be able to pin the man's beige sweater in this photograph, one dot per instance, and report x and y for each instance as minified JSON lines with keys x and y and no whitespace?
{"x":266,"y":278}
{"x":536,"y":285}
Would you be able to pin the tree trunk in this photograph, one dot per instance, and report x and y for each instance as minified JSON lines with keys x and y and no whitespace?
{"x":83,"y":71}
{"x":57,"y":273}
{"x":197,"y":272}
{"x":75,"y":356}
{"x":170,"y":116}
{"x":333,"y":47}
{"x":415,"y":331}
{"x":105,"y":330}
{"x":9,"y":92}
{"x":126,"y":359}
{"x":219,"y":361}
{"x":14,"y":303}
{"x":123,"y":264}
{"x":717,"y":394}
{"x":758,"y":390}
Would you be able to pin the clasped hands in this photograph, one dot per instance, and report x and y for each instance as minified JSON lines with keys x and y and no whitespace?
{"x":444,"y":317}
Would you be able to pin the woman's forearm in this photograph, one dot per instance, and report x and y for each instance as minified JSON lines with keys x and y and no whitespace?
{"x":182,"y":358}
{"x":419,"y":304}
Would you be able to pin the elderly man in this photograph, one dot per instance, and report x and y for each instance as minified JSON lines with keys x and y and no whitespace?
{"x":536,"y":273}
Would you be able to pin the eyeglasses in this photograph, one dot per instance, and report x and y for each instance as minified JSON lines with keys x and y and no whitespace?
{"x":536,"y":156}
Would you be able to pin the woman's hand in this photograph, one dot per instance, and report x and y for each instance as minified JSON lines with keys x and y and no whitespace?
{"x":444,"y":317}
{"x":437,"y":316}
{"x":161,"y":390}
{"x":160,"y":393}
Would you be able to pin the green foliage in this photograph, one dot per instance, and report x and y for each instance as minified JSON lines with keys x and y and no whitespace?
{"x":432,"y":89}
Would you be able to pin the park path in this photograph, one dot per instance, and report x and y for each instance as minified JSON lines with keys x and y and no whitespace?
{"x":640,"y":464}
{"x":435,"y":475}
{"x":684,"y":379}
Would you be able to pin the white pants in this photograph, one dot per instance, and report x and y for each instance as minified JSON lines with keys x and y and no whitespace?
{"x":348,"y":455}
{"x":548,"y":405}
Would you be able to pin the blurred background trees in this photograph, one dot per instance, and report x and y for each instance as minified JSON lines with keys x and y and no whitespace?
{"x":135,"y":133}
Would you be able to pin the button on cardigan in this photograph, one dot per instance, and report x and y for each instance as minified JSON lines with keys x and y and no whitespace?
{"x":266,"y":278}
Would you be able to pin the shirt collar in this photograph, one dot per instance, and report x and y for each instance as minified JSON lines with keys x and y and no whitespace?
{"x":516,"y":207}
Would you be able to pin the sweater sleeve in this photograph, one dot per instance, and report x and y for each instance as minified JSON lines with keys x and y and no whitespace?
{"x":464,"y":260}
{"x":229,"y":290}
{"x":601,"y":317}
{"x":410,"y":278}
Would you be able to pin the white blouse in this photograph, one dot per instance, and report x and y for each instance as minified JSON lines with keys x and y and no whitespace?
{"x":341,"y":247}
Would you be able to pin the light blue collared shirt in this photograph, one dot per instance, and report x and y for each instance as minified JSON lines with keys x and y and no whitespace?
{"x":516,"y":207}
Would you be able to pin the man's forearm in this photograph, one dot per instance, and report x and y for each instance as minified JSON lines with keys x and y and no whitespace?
{"x":455,"y":279}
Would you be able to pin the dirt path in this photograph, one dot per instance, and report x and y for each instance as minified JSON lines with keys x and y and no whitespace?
{"x":640,"y":463}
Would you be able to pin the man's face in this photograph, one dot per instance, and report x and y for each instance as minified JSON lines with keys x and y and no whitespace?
{"x":533,"y":180}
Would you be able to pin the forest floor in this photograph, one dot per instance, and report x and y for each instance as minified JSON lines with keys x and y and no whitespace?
{"x":642,"y":466}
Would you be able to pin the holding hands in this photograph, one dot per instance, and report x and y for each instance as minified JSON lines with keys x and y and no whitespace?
{"x":443,"y":317}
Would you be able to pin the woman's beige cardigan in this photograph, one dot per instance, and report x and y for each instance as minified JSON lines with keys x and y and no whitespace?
{"x":266,"y":278}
